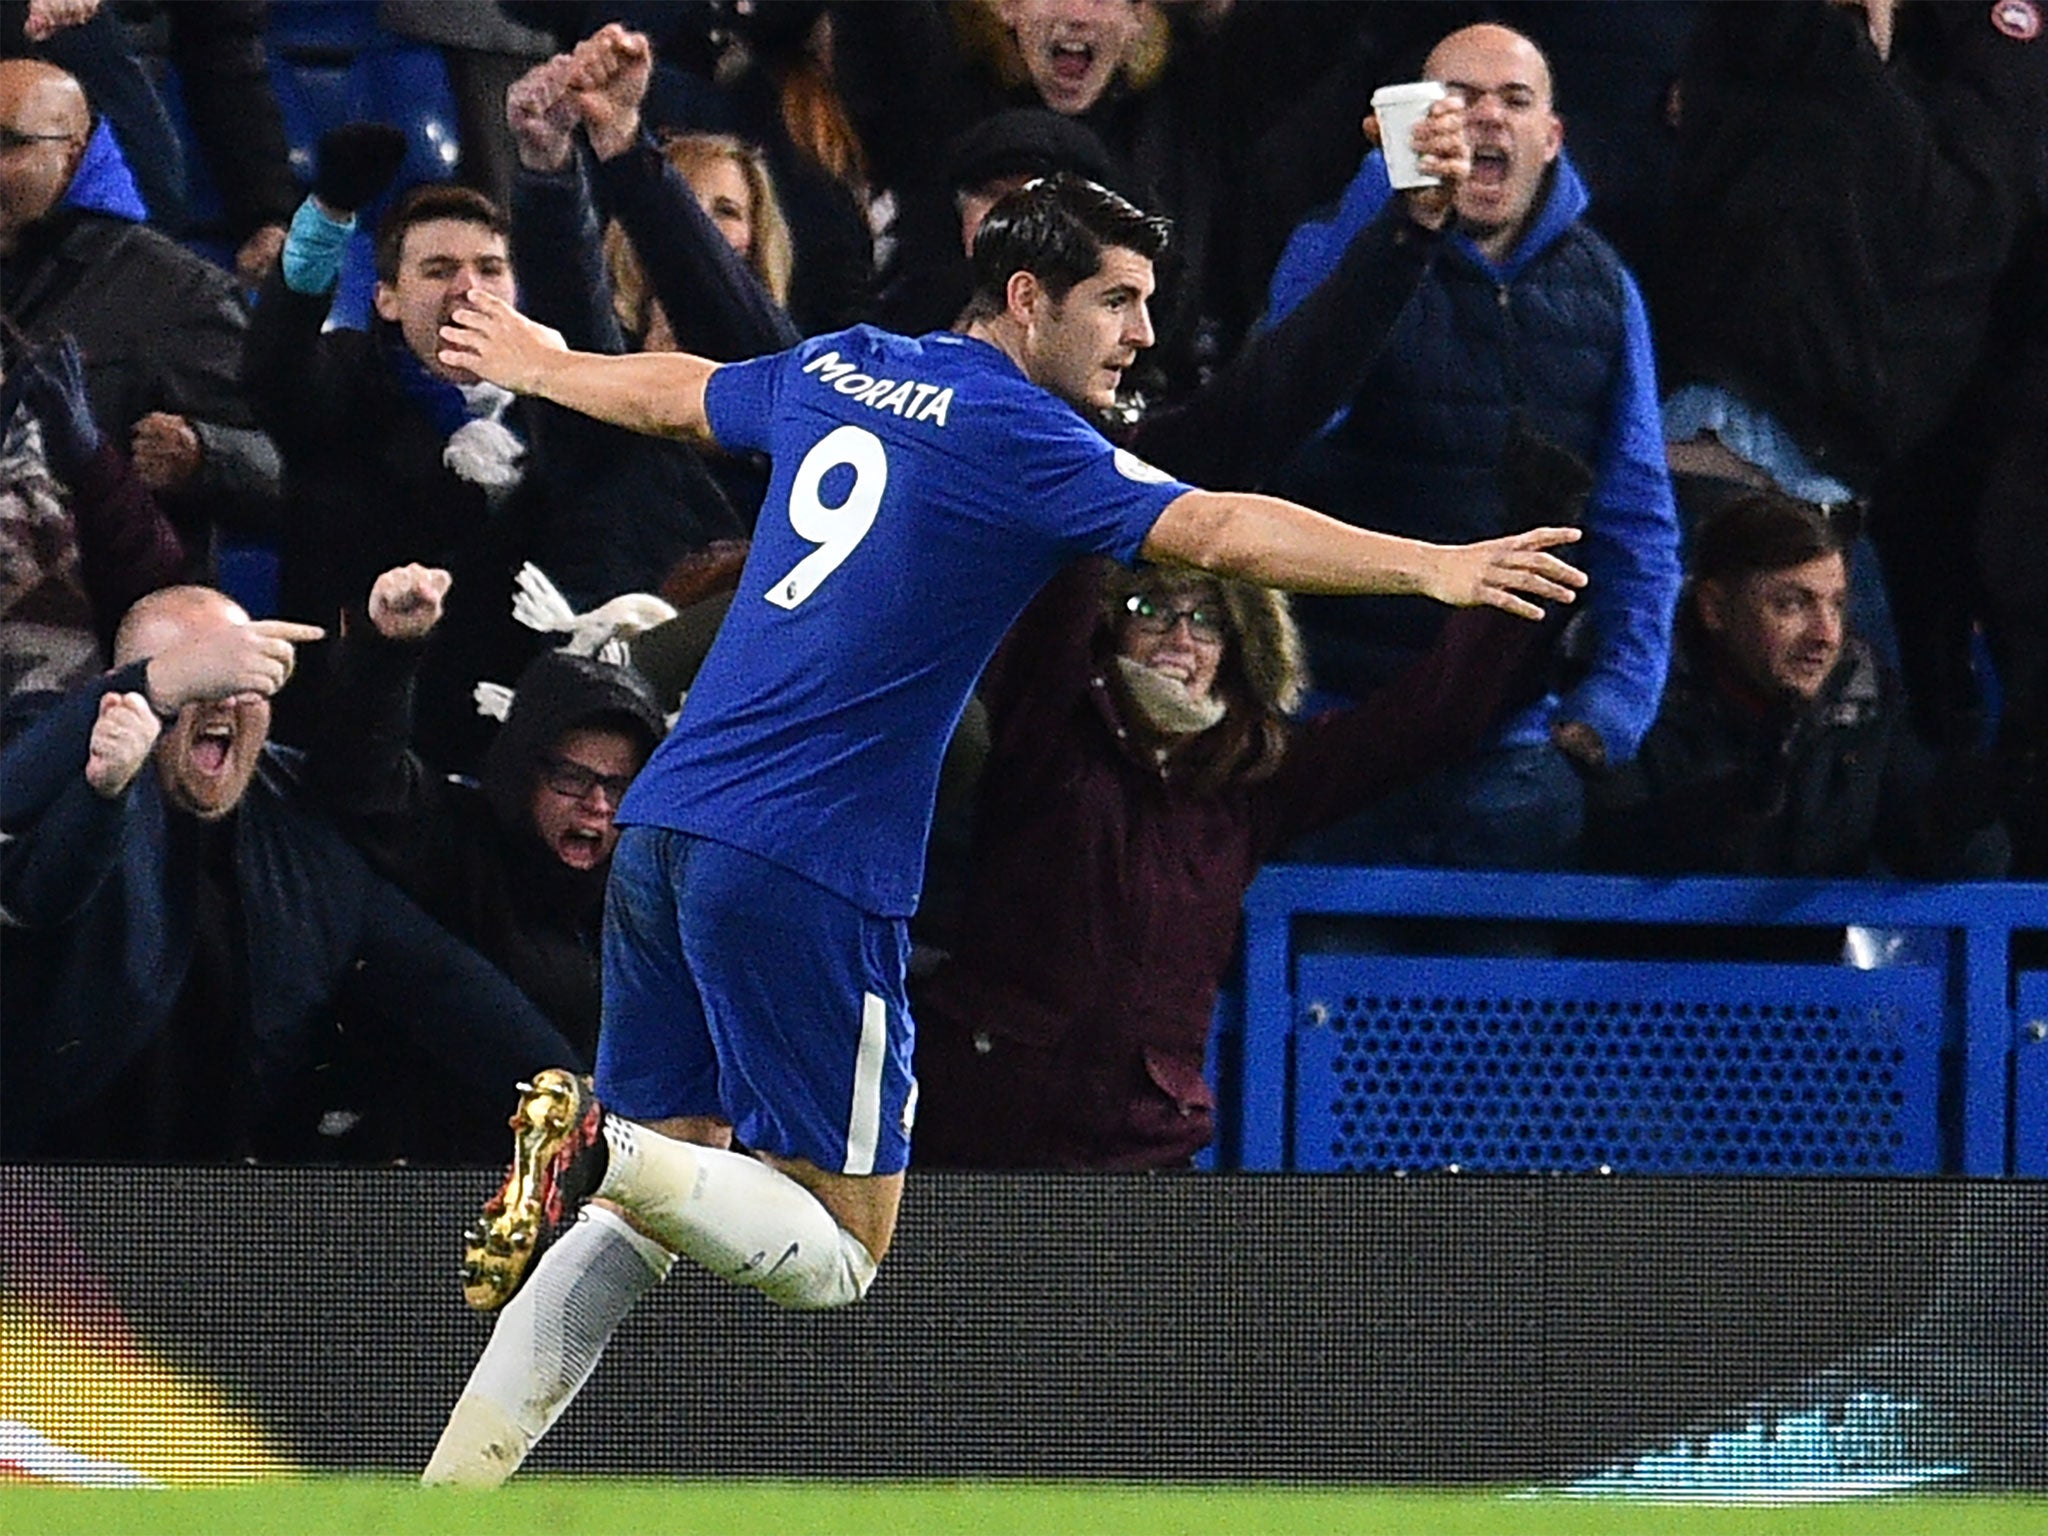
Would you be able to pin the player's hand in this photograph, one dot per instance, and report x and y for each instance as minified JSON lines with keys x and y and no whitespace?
{"x":405,"y":602}
{"x":541,"y":116}
{"x":122,"y":738}
{"x":254,"y":659}
{"x":1441,"y":151}
{"x":607,"y":80}
{"x":166,"y":451}
{"x":1507,"y":572}
{"x":489,"y":338}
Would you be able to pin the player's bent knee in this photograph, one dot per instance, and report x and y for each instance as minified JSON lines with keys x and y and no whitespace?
{"x":820,"y":1282}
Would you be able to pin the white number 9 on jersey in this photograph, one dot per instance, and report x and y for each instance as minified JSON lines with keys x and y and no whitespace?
{"x":835,"y":530}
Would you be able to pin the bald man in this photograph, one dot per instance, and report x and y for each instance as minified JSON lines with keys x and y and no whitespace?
{"x":180,"y":928}
{"x":1520,"y":371}
{"x":161,"y":328}
{"x":44,"y":124}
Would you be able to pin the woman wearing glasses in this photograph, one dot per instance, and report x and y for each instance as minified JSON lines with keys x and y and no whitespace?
{"x":1142,"y":764}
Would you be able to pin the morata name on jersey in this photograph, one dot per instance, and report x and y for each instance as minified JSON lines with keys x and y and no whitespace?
{"x":908,"y":399}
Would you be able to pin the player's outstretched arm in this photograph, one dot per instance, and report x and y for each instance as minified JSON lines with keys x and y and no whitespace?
{"x":1283,"y":544}
{"x":660,"y":393}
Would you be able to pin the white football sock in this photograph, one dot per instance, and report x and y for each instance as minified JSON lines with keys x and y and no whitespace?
{"x":739,"y":1218}
{"x":546,"y":1343}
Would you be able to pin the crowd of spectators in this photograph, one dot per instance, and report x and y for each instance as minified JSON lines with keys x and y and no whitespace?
{"x":1756,"y":294}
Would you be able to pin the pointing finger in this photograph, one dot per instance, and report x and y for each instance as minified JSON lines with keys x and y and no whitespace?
{"x":287,"y":629}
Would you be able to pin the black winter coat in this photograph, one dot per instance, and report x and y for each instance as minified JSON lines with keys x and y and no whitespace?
{"x":1725,"y":784}
{"x":1845,"y":220}
{"x":160,"y":330}
{"x":102,"y":897}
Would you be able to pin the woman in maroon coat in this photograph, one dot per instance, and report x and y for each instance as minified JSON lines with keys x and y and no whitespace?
{"x":1141,"y":766}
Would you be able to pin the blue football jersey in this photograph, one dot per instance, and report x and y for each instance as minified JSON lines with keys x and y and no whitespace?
{"x":923,"y":491}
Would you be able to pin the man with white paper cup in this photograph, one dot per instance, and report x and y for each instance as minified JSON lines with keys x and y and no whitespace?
{"x":1519,"y":372}
{"x":1400,"y":110}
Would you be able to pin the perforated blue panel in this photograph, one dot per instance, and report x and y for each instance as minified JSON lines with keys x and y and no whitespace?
{"x":1504,"y":1065}
{"x":2030,"y":1076}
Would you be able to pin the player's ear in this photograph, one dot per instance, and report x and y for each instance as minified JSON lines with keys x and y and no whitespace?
{"x":1022,"y":296}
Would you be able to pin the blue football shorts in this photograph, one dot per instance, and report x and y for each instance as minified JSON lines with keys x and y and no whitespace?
{"x":737,"y":988}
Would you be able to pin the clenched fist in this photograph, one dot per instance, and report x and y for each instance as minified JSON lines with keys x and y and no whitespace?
{"x":122,"y":738}
{"x":405,"y":602}
{"x":166,"y":450}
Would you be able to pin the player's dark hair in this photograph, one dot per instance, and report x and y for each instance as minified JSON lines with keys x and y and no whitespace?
{"x":1056,"y":228}
{"x":1767,"y":531}
{"x":435,"y":200}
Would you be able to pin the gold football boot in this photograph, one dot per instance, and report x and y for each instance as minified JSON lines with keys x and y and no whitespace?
{"x":558,"y":1157}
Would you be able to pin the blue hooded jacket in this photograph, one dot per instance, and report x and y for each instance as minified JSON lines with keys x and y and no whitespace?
{"x":1555,"y":338}
{"x":103,"y":183}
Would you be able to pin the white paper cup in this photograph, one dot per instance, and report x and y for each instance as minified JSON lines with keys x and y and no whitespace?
{"x":1399,"y":108}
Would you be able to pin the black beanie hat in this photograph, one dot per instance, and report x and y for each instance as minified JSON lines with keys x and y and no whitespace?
{"x":1027,"y":141}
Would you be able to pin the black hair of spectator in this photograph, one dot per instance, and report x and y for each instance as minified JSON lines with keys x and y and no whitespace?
{"x":433,"y":200}
{"x":1056,"y":228}
{"x":1768,"y":531}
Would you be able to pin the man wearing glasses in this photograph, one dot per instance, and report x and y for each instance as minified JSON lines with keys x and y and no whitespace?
{"x":160,"y":328}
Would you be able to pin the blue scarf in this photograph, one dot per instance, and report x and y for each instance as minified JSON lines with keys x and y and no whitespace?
{"x":481,"y":447}
{"x":438,"y":400}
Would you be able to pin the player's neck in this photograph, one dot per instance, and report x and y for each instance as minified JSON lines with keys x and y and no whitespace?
{"x":1002,"y":333}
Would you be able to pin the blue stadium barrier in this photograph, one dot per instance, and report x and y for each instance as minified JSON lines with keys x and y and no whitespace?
{"x":1492,"y":1061}
{"x":2030,"y":1075}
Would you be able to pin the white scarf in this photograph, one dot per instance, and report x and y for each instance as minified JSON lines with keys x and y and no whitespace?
{"x":483,"y":450}
{"x":1167,"y":704}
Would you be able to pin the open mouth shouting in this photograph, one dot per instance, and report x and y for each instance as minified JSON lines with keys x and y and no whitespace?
{"x":207,"y":762}
{"x":1072,"y":60}
{"x":1490,"y":166}
{"x":213,"y":748}
{"x":584,"y":847}
{"x":1069,"y":60}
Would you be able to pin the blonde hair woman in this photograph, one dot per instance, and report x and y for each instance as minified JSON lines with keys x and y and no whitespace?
{"x":733,"y":186}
